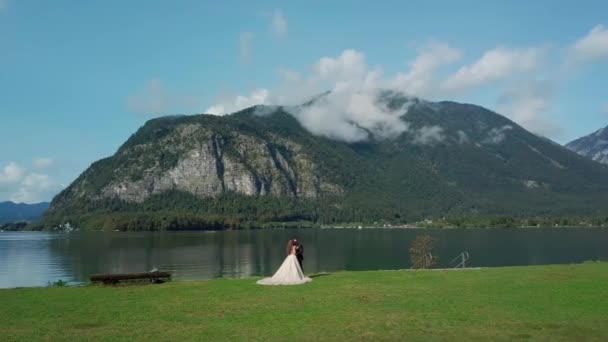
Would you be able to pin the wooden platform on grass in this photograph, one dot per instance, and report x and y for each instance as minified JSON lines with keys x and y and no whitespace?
{"x":115,"y":278}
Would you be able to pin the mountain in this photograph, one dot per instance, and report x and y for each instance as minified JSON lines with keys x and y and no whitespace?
{"x":205,"y":171}
{"x":594,"y":145}
{"x":14,"y":212}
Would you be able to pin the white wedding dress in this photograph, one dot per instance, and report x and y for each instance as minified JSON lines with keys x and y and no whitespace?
{"x":290,"y":273}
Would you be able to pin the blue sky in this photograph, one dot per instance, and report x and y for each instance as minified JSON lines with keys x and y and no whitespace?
{"x":78,"y":77}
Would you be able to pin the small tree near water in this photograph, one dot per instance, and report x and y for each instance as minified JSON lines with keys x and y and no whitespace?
{"x":420,"y":252}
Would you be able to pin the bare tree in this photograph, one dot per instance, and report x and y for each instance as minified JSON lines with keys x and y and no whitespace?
{"x":420,"y":252}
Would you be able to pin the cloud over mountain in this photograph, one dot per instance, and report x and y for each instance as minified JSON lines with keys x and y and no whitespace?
{"x":518,"y":76}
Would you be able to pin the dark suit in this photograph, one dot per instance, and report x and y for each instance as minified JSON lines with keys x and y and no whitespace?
{"x":300,"y":255}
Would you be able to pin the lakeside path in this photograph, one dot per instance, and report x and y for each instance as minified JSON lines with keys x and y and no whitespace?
{"x":557,"y":302}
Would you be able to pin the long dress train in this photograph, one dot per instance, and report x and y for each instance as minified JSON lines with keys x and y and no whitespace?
{"x":290,"y":273}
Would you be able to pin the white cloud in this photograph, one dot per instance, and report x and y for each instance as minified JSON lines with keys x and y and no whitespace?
{"x":593,"y":46}
{"x":154,"y":99}
{"x":494,"y":65}
{"x":245,"y":40}
{"x":351,"y":112}
{"x":35,"y":188}
{"x":419,"y":79}
{"x":527,"y":104}
{"x":42,"y":162}
{"x":349,"y":66}
{"x":11,"y":173}
{"x":19,"y":185}
{"x":231,"y":105}
{"x":463,"y":138}
{"x":429,"y":135}
{"x":497,"y":135}
{"x":279,"y":24}
{"x":3,"y":4}
{"x":328,"y":73}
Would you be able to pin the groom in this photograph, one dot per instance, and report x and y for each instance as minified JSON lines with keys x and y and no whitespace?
{"x":299,"y":252}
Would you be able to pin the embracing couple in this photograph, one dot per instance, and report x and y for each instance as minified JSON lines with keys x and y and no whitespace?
{"x":290,"y":272}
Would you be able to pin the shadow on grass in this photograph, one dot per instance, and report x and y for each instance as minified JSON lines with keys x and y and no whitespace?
{"x":319,"y":274}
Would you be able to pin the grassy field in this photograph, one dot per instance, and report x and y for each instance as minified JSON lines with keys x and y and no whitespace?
{"x":567,"y":302}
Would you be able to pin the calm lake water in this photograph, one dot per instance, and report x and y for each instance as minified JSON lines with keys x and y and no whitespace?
{"x":35,"y":258}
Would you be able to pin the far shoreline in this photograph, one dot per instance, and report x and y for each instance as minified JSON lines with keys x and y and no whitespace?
{"x":9,"y":227}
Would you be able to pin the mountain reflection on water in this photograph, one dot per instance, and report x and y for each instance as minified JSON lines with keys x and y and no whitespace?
{"x":35,"y":258}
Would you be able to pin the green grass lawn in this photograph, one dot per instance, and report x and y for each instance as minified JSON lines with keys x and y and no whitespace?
{"x":566,"y":302}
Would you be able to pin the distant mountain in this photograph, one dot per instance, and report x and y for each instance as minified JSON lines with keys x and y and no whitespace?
{"x":594,"y":145}
{"x":199,"y":171}
{"x":14,"y":212}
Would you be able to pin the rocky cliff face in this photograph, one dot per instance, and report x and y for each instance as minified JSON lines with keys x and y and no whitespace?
{"x":204,"y":160}
{"x":594,"y":146}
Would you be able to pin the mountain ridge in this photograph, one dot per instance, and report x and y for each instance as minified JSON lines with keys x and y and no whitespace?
{"x":453,"y":159}
{"x":593,"y":146}
{"x":13,"y":212}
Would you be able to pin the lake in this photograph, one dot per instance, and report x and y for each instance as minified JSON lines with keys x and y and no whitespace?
{"x":35,"y":258}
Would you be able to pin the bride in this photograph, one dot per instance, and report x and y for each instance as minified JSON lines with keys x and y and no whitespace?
{"x":290,"y":272}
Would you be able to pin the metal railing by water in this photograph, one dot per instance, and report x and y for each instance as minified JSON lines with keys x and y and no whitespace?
{"x":428,"y":260}
{"x":461,"y":260}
